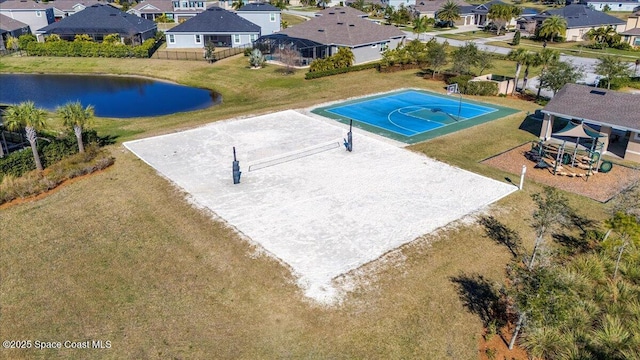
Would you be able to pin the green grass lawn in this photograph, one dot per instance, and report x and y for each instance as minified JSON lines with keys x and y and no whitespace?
{"x":292,"y":20}
{"x":470,"y":35}
{"x":123,"y":256}
{"x":571,"y":48}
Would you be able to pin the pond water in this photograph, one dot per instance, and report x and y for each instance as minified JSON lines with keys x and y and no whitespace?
{"x":111,"y":96}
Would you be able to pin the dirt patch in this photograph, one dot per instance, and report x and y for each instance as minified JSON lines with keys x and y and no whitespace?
{"x":496,"y":347}
{"x":600,"y":186}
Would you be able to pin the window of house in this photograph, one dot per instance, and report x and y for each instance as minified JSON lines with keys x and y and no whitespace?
{"x":254,"y":38}
{"x":185,"y":4}
{"x":272,"y":17}
{"x":636,"y":136}
{"x":198,"y":39}
{"x":171,"y":39}
{"x":384,"y":47}
{"x":200,"y":4}
{"x":236,"y":39}
{"x":192,"y":4}
{"x":38,"y":13}
{"x":176,"y":4}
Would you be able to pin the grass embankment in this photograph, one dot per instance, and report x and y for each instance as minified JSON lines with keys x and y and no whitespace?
{"x":122,"y":256}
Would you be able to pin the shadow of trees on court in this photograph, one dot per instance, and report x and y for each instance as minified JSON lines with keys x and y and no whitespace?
{"x":483,"y":298}
{"x":501,"y":234}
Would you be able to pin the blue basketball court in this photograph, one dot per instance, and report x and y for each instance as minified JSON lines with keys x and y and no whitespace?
{"x":413,"y":115}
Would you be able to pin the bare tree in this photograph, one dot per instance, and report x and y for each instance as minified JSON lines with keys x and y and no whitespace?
{"x":289,"y":57}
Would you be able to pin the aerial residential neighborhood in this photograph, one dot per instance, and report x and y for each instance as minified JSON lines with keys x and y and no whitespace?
{"x":383,"y":179}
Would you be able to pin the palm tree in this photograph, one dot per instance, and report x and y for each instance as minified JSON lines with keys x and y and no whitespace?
{"x":602,"y":34}
{"x":553,"y":26}
{"x":237,"y":4}
{"x":344,"y":57}
{"x":75,"y":116}
{"x":501,"y":14}
{"x":420,"y":25}
{"x":26,"y":115}
{"x":546,"y":57}
{"x":529,"y":60}
{"x":517,"y":55}
{"x":449,"y":12}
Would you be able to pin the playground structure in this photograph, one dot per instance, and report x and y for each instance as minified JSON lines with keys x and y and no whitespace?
{"x":571,"y":159}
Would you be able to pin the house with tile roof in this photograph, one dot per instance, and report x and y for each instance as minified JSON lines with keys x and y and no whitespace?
{"x":612,"y":113}
{"x":331,"y":29}
{"x":580,"y":19}
{"x":221,"y":27}
{"x":178,"y":10}
{"x":264,"y":15}
{"x":11,"y":28}
{"x":631,"y":34}
{"x":101,"y":20}
{"x":36,"y":15}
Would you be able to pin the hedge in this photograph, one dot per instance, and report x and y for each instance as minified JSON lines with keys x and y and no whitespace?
{"x":19,"y":162}
{"x":90,"y":49}
{"x":319,"y":74}
{"x":468,"y":87}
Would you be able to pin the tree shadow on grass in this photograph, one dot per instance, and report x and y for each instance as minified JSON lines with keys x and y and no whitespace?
{"x":501,"y":234}
{"x":481,"y":297}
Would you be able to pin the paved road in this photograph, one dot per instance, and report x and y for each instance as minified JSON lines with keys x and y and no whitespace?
{"x":587,"y":64}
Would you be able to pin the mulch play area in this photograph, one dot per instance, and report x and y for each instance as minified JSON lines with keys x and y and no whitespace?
{"x":600,"y":187}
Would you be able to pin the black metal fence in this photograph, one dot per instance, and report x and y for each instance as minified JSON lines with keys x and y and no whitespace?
{"x":198,"y":54}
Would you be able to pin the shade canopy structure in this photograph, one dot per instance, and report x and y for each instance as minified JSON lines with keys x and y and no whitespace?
{"x":578,"y":130}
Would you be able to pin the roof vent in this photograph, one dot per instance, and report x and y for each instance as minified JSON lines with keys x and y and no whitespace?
{"x":596,"y":92}
{"x":342,"y":12}
{"x":352,"y":25}
{"x":321,"y":30}
{"x":332,"y":13}
{"x":340,"y":23}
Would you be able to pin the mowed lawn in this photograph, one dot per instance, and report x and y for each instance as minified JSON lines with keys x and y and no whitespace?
{"x":122,"y":256}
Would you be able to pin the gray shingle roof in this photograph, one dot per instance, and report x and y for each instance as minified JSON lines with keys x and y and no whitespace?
{"x":67,"y":5}
{"x":596,"y":105}
{"x":578,"y":16}
{"x":342,"y":27}
{"x":259,"y":7}
{"x":216,"y":20}
{"x":8,"y":24}
{"x":634,"y":31}
{"x":344,"y":10}
{"x":23,"y":5}
{"x":100,"y":19}
{"x":164,"y":6}
{"x":429,"y":6}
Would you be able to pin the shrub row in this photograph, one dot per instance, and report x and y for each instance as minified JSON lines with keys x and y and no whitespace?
{"x":319,"y":74}
{"x":18,"y":163}
{"x":93,"y":159}
{"x":399,"y":67}
{"x":468,"y":87}
{"x":90,"y":49}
